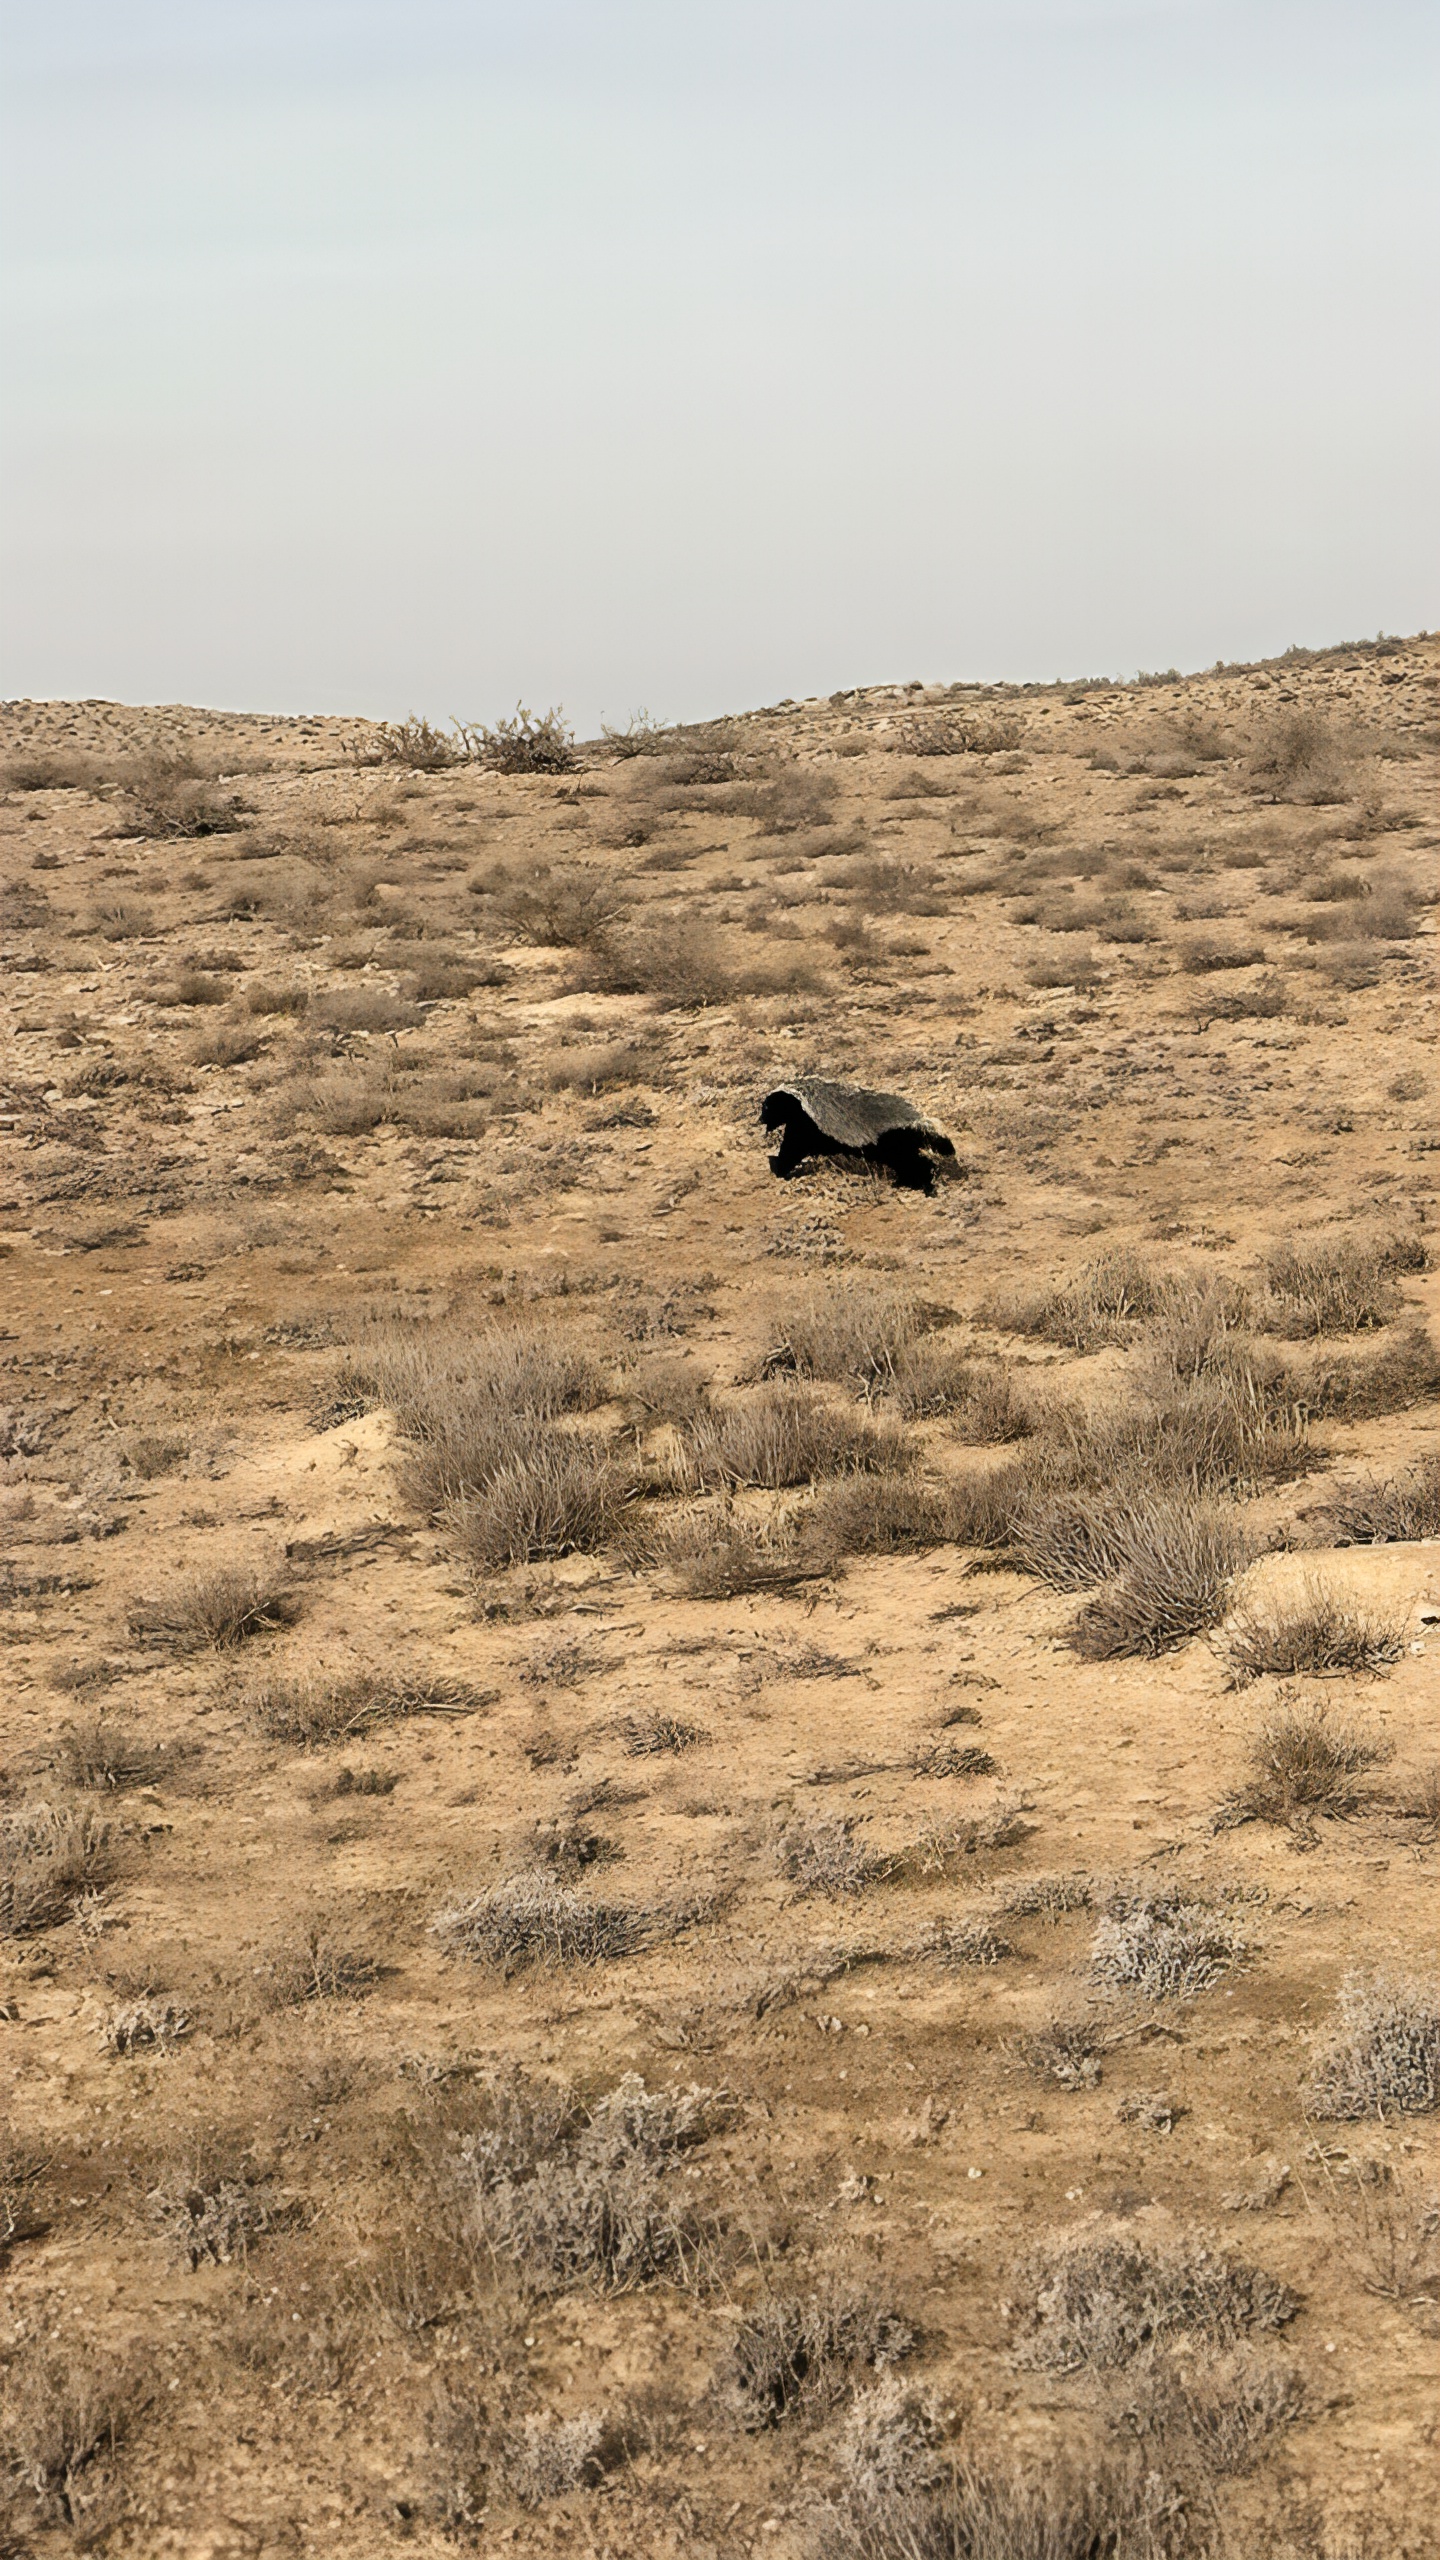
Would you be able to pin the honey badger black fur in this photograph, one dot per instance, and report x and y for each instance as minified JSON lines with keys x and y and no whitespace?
{"x":849,"y":1120}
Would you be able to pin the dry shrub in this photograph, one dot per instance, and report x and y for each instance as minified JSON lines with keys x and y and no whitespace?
{"x":1100,"y":1305}
{"x":820,"y":1854}
{"x":1404,"y":1508}
{"x":1319,"y":1632}
{"x":277,"y":1000}
{"x":1402,"y":1373}
{"x":554,"y":1493}
{"x":192,"y":986}
{"x":957,"y":1943}
{"x":439,"y":978}
{"x":170,"y":796}
{"x":363,"y":1009}
{"x":1302,"y":1763}
{"x":1177,"y":1561}
{"x":851,"y":1332}
{"x":891,"y":2443}
{"x":1222,"y":2408}
{"x":715,"y":1553}
{"x":536,"y":1919}
{"x":567,"y":907}
{"x":415,"y":744}
{"x":1163,"y":1943}
{"x":64,"y":2413}
{"x":52,"y":769}
{"x":99,"y":1754}
{"x":1098,"y":2298}
{"x":1301,"y":755}
{"x":648,"y":1736}
{"x":547,"y":2456}
{"x":1064,"y":2051}
{"x":228,"y":1044}
{"x":797,"y":798}
{"x":569,"y":2195}
{"x":797,"y":2352}
{"x":1384,"y":2053}
{"x":1050,"y":1897}
{"x":1010,"y":2507}
{"x":956,"y":733}
{"x":208,"y":2215}
{"x":50,"y":1856}
{"x":528,"y":742}
{"x":1341,"y":1288}
{"x":150,"y":2024}
{"x":786,"y":1436}
{"x":878,"y":1516}
{"x":1388,"y":2231}
{"x":977,"y":1398}
{"x":597,"y":1069}
{"x":220,"y":1609}
{"x":122,"y":920}
{"x":318,"y":1965}
{"x":1203,"y":954}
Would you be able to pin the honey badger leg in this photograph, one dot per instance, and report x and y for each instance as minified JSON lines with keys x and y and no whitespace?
{"x":792,"y":1151}
{"x":901,"y":1156}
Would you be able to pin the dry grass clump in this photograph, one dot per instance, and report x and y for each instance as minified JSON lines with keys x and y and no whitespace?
{"x":569,"y":2195}
{"x":469,"y":2454}
{"x":715,"y":1553}
{"x":977,"y":1398}
{"x":1097,"y":2298}
{"x":1319,"y":1632}
{"x":528,"y":742}
{"x":1010,"y":2508}
{"x":852,"y":1333}
{"x":1302,"y":1763}
{"x":1102,"y":1304}
{"x":1050,"y":1897}
{"x":783,"y":1436}
{"x":1341,"y":1288}
{"x":1163,"y":1943}
{"x":1065,"y":2051}
{"x":649,"y":1736}
{"x":50,"y":1857}
{"x":208,"y":2216}
{"x":1404,"y":1508}
{"x":555,"y":1493}
{"x":1222,"y":2408}
{"x":820,"y":1854}
{"x":100,"y":1754}
{"x":1177,"y":1562}
{"x":482,"y":1414}
{"x":348,"y":1009}
{"x":534,"y":1918}
{"x":220,"y":1610}
{"x":64,"y":2413}
{"x":877,"y":1516}
{"x":1301,"y":755}
{"x":1403,"y":1373}
{"x":1384,"y":2054}
{"x":170,"y":796}
{"x":147,"y":2025}
{"x":797,"y":2352}
{"x":1203,"y":955}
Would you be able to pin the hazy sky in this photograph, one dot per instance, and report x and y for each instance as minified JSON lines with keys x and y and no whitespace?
{"x":429,"y":354}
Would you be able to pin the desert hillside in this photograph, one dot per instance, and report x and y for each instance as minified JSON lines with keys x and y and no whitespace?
{"x":692,"y":1864}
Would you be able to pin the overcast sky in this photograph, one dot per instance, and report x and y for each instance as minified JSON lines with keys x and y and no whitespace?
{"x":429,"y":354}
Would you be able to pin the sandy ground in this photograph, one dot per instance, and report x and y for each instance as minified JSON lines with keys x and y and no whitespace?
{"x":207,"y":1206}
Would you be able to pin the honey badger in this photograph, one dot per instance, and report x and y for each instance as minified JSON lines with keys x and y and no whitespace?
{"x":848,"y":1120}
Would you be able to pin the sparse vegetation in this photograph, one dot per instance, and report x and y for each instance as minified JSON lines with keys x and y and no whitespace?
{"x":536,"y":1919}
{"x":50,"y":1856}
{"x":64,"y":2412}
{"x":1383,"y":2056}
{"x":1318,"y":1632}
{"x":1375,"y":1514}
{"x":1164,"y":1943}
{"x":1303,"y":1763}
{"x":796,"y":2351}
{"x":1099,"y":2298}
{"x":218,"y":1610}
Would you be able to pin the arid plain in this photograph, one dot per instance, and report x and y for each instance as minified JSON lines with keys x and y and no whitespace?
{"x":692,"y":1864}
